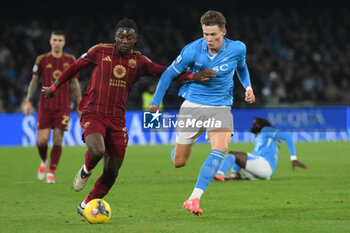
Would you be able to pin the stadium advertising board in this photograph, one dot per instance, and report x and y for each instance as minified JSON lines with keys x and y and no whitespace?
{"x":306,"y":124}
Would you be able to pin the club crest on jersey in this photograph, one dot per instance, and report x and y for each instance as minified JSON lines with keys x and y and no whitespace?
{"x":48,"y":66}
{"x":87,"y":124}
{"x":65,"y":65}
{"x":56,"y":74}
{"x":132,"y":63}
{"x":119,"y":71}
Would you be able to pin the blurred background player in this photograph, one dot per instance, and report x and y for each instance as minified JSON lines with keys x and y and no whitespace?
{"x":212,"y":99}
{"x":116,"y":67}
{"x":52,"y":113}
{"x":261,"y":164}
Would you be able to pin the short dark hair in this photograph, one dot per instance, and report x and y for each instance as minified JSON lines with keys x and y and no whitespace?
{"x":260,"y":123}
{"x":127,"y":23}
{"x":211,"y":18}
{"x":57,"y":32}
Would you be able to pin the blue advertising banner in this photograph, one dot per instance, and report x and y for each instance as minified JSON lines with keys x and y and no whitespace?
{"x":306,"y":124}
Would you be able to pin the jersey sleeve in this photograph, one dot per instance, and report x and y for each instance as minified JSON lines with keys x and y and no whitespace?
{"x":84,"y":60}
{"x":150,"y":68}
{"x":241,"y":54}
{"x":37,"y":68}
{"x":183,"y":61}
{"x":281,"y":136}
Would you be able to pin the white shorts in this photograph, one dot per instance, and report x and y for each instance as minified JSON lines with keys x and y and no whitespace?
{"x":257,"y":168}
{"x":201,"y":117}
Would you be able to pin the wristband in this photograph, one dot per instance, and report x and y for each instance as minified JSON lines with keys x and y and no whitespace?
{"x":53,"y":88}
{"x":190,"y":76}
{"x":293,"y":157}
{"x":248,"y":88}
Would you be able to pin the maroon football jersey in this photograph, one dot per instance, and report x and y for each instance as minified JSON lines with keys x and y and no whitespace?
{"x":112,"y":78}
{"x":49,"y":68}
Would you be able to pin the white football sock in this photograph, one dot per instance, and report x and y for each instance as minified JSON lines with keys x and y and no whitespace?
{"x":197,"y":193}
{"x":85,"y":170}
{"x":220,"y":173}
{"x":83,"y":205}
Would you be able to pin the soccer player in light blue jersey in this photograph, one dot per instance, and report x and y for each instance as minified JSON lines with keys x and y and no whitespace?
{"x":261,"y":164}
{"x":210,"y":100}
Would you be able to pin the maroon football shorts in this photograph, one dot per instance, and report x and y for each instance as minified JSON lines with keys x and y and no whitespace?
{"x":49,"y":119}
{"x":112,"y":129}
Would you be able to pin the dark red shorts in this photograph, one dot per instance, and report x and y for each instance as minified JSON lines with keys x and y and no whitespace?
{"x":112,"y":129}
{"x":49,"y":119}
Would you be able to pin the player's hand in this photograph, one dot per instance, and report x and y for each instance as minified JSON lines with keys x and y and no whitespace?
{"x":27,"y":108}
{"x":153,"y":108}
{"x":48,"y":92}
{"x":78,"y":113}
{"x":296,"y":163}
{"x":249,"y":96}
{"x":204,"y":75}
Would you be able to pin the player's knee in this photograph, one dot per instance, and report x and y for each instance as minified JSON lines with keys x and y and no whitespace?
{"x":42,"y":142}
{"x":179,"y":163}
{"x":97,"y":152}
{"x":57,"y":141}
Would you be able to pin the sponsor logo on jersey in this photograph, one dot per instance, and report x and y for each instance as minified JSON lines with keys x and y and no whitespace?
{"x":223,"y":67}
{"x":56,"y":74}
{"x":108,"y":58}
{"x":49,"y":65}
{"x":132,"y":63}
{"x":224,"y":59}
{"x":119,"y":71}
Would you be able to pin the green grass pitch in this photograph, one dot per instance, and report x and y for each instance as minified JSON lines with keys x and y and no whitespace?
{"x":149,"y":192}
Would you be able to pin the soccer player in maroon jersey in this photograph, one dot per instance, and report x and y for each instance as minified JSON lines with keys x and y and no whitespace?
{"x":116,"y":68}
{"x":52,"y":113}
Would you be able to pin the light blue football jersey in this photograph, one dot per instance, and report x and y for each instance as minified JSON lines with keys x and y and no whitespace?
{"x":217,"y":91}
{"x":266,"y":145}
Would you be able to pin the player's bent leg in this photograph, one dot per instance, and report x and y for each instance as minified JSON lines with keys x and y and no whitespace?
{"x":241,"y":158}
{"x":181,"y":154}
{"x":109,"y":175}
{"x":96,"y":150}
{"x":43,"y":137}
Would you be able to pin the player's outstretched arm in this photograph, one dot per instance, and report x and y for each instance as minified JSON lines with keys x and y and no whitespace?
{"x":163,"y":84}
{"x":31,"y":91}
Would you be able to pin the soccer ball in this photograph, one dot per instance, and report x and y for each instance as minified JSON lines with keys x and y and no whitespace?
{"x":97,"y":211}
